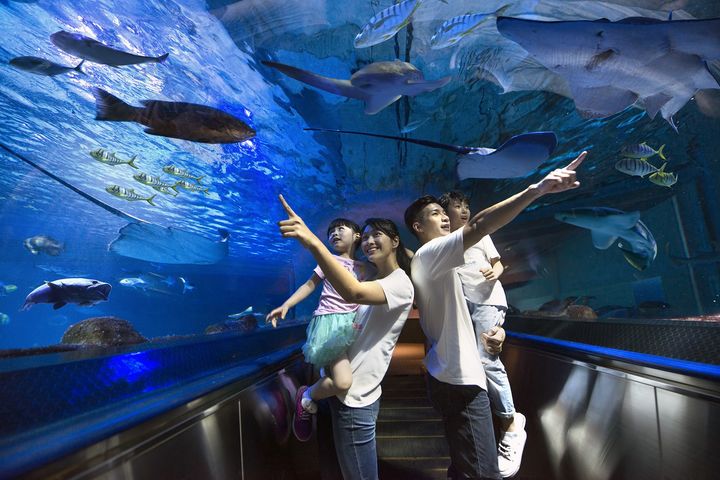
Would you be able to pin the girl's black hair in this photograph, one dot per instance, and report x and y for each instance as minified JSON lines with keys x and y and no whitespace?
{"x":389,"y":228}
{"x":343,"y":222}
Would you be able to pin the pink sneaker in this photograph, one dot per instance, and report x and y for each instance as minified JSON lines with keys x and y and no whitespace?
{"x":302,"y":420}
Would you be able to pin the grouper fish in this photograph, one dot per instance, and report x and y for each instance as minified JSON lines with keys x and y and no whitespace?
{"x":90,"y":49}
{"x":82,"y":291}
{"x":186,"y":121}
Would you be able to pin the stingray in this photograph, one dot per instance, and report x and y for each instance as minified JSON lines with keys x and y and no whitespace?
{"x":654,"y":64}
{"x":517,"y":157}
{"x":143,"y":240}
{"x":379,"y":84}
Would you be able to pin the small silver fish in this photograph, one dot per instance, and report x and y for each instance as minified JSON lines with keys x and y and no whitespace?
{"x":638,"y":167}
{"x":180,"y":172}
{"x":412,"y":126}
{"x":386,"y":24}
{"x":663,"y":178}
{"x":156,"y":183}
{"x":641,"y":151}
{"x":455,"y":29}
{"x":4,"y":318}
{"x":128,"y":194}
{"x":41,"y":66}
{"x":110,"y":158}
{"x":192,"y":187}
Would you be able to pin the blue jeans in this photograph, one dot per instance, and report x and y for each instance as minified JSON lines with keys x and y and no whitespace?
{"x":468,"y":428}
{"x":485,"y":317}
{"x":354,"y":434}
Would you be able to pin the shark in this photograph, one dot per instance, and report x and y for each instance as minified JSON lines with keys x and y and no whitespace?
{"x":517,"y":157}
{"x":656,"y":65}
{"x":607,"y":225}
{"x":378,"y":84}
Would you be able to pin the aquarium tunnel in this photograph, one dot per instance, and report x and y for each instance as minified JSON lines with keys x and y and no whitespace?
{"x":173,"y":273}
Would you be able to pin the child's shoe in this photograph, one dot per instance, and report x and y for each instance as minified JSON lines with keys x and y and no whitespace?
{"x":511,"y":448}
{"x":303,"y":420}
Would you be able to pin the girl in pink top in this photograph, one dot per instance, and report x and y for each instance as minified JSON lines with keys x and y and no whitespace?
{"x":332,"y":328}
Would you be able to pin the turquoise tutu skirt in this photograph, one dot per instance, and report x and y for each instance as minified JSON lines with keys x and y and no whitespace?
{"x":328,"y":337}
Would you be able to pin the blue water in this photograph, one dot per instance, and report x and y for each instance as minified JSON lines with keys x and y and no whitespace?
{"x":215,"y":48}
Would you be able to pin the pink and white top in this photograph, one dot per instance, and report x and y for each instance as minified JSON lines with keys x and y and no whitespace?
{"x":330,"y":299}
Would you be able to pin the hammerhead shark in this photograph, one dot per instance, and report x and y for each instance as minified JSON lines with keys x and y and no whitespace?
{"x":378,"y":84}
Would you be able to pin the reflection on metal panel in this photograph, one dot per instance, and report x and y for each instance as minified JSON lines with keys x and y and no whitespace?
{"x":240,"y":431}
{"x":690,"y":435}
{"x":591,"y":422}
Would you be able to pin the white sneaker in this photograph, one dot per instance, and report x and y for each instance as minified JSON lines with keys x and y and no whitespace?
{"x":308,"y":404}
{"x":511,"y":448}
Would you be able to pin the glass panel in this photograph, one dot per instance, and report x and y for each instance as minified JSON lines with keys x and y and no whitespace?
{"x":175,"y":204}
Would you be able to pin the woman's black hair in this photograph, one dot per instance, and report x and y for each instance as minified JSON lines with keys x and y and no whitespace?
{"x":389,"y":228}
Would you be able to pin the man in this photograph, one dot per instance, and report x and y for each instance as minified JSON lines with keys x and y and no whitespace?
{"x":457,"y":383}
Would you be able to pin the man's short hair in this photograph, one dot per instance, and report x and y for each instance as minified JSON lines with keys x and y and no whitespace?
{"x":412,"y":213}
{"x":452,"y":196}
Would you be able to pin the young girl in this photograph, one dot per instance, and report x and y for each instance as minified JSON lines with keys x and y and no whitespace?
{"x":385,"y":303}
{"x":332,"y":328}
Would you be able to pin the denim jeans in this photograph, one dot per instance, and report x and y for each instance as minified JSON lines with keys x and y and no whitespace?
{"x":468,"y":428}
{"x":485,"y":317}
{"x":354,"y":433}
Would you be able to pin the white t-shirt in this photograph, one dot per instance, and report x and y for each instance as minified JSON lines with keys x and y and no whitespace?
{"x":476,"y":288}
{"x":453,"y":356}
{"x":380,"y":327}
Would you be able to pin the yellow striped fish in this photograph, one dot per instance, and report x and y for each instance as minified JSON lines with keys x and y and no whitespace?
{"x":386,"y":24}
{"x":637,"y":167}
{"x":128,"y":194}
{"x":663,"y":178}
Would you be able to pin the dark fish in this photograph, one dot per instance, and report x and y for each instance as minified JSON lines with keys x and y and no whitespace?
{"x":90,"y":49}
{"x":83,"y":291}
{"x":41,"y":66}
{"x":186,"y":121}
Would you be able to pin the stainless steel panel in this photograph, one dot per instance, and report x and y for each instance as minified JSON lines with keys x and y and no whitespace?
{"x":208,"y":449}
{"x":690,"y":436}
{"x":598,"y":423}
{"x":238,"y":432}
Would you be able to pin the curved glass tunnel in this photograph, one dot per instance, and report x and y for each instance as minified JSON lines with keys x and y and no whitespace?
{"x":613,"y":288}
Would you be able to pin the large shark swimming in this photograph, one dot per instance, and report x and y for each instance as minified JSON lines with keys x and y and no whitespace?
{"x":607,"y":225}
{"x":654,"y":64}
{"x":379,"y":84}
{"x":517,"y":157}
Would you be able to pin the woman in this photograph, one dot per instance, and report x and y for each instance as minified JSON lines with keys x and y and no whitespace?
{"x":384,"y":306}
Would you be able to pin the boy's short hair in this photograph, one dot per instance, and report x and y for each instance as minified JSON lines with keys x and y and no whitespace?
{"x":452,"y":196}
{"x":343,"y":222}
{"x":412,"y":213}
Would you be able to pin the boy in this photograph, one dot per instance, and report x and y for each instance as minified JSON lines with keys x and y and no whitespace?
{"x":456,"y":377}
{"x":487,"y":305}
